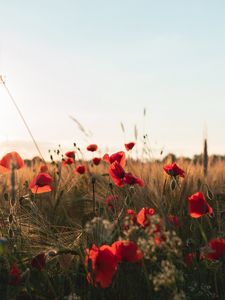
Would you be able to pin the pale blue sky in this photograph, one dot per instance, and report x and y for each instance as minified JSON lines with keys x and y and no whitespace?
{"x":103,"y":62}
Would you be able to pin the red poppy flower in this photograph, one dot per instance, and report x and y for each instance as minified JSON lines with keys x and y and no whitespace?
{"x":127,"y":251}
{"x":69,"y":161}
{"x":144,"y":215}
{"x":15,"y":275}
{"x":43,"y":169}
{"x":81,"y":169}
{"x":92,"y":148}
{"x":96,"y":160}
{"x":198,"y":206}
{"x":120,"y":177}
{"x":129,"y":146}
{"x":120,"y":157}
{"x":39,"y":261}
{"x":173,"y":170}
{"x":117,"y":173}
{"x":216,"y":249}
{"x":131,"y":179}
{"x":70,"y":154}
{"x":41,"y":184}
{"x":103,"y":265}
{"x":12,"y":158}
{"x":174,"y":220}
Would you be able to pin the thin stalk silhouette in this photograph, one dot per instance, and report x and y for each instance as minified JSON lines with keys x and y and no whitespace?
{"x":22,"y":117}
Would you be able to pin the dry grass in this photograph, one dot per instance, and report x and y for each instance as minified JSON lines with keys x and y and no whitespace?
{"x":55,"y":221}
{"x":71,"y":200}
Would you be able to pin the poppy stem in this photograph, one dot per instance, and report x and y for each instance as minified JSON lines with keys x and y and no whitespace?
{"x":13,"y":184}
{"x":12,"y":203}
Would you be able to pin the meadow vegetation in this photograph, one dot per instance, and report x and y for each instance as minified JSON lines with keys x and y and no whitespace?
{"x":104,"y":229}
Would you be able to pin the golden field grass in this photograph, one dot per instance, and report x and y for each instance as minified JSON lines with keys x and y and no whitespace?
{"x":55,"y":221}
{"x":70,"y":202}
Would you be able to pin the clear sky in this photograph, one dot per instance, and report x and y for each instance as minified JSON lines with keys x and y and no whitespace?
{"x":104,"y":61}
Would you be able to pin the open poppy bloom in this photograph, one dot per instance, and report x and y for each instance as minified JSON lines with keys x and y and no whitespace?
{"x":127,"y":251}
{"x":81,"y":169}
{"x":216,"y":249}
{"x":14,"y":275}
{"x":39,"y":261}
{"x":143,"y":216}
{"x":173,"y":170}
{"x":117,"y":173}
{"x":132,"y":180}
{"x":70,"y":154}
{"x":41,"y":184}
{"x":118,"y":156}
{"x":120,"y":177}
{"x":96,"y":161}
{"x":69,"y":161}
{"x":9,"y":160}
{"x":43,"y":169}
{"x":198,"y":206}
{"x":129,"y":146}
{"x":103,"y":264}
{"x":92,"y":148}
